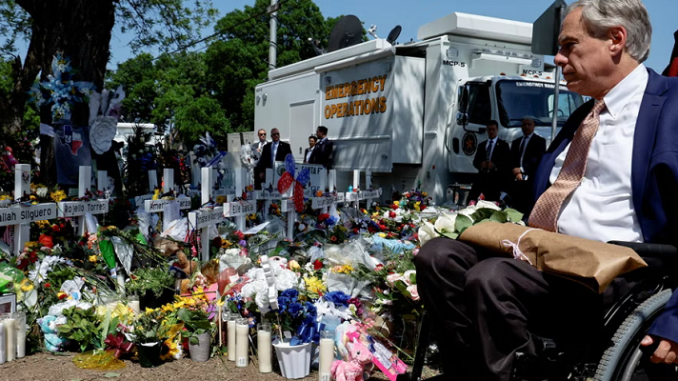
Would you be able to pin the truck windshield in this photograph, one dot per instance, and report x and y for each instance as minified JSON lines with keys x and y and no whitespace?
{"x":517,"y":99}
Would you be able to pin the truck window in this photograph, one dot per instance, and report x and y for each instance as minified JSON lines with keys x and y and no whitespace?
{"x":517,"y":99}
{"x":479,"y":106}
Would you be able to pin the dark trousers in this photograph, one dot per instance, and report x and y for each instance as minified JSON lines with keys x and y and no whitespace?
{"x":521,"y":195}
{"x":485,"y":309}
{"x":489,"y":183}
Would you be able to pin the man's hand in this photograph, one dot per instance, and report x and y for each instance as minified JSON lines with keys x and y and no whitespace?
{"x":483,"y":165}
{"x":519,"y":177}
{"x":516,"y":171}
{"x":667,"y":352}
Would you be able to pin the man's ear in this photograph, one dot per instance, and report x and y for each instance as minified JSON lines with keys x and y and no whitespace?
{"x":617,"y":36}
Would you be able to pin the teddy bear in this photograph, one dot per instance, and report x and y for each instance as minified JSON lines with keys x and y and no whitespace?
{"x":48,"y":325}
{"x":352,"y":370}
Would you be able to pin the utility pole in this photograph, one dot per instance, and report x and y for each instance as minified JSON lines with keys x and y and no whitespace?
{"x":273,"y":40}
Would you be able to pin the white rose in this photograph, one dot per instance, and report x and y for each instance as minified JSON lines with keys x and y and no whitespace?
{"x":426,"y":232}
{"x":445,"y":222}
{"x":406,"y":277}
{"x":286,"y":279}
{"x":487,"y":205}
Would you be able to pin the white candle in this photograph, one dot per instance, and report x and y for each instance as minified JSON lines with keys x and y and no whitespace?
{"x":264,"y":348}
{"x":10,"y":339}
{"x":242,"y":342}
{"x":134,"y":305}
{"x":2,"y":343}
{"x":230,"y":332}
{"x":20,"y":334}
{"x":326,"y":355}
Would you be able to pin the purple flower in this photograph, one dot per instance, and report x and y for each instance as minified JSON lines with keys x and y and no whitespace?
{"x":242,"y":243}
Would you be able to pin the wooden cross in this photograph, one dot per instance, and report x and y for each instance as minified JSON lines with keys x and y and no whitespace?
{"x":80,"y":209}
{"x":165,"y":206}
{"x":205,"y":217}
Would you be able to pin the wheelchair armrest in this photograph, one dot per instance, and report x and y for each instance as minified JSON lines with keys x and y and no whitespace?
{"x":651,"y":250}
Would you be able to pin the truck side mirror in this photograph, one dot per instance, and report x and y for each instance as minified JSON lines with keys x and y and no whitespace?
{"x":462,"y":118}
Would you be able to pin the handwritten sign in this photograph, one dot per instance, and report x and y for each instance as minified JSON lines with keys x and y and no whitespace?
{"x":238,"y":208}
{"x":80,"y":208}
{"x":156,"y":206}
{"x":322,"y":202}
{"x":352,"y":196}
{"x":204,"y":218}
{"x":16,"y":215}
{"x":365,"y":195}
{"x":269,"y":195}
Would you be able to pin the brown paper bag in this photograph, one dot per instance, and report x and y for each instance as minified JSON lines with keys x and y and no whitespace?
{"x":591,"y":263}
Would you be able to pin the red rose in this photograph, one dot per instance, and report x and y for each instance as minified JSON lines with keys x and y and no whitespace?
{"x":394,"y":207}
{"x":392,"y":214}
{"x":56,"y":228}
{"x":46,"y":240}
{"x":379,"y":267}
{"x":382,"y":227}
{"x":371,"y":229}
{"x":317,"y":265}
{"x":239,"y":234}
{"x":356,"y":231}
{"x":61,"y":225}
{"x":323,"y":217}
{"x":47,"y":285}
{"x":333,"y":238}
{"x":422,"y":207}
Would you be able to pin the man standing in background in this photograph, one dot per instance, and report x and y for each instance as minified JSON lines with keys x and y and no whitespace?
{"x":257,"y":148}
{"x":323,"y":150}
{"x":272,"y":152}
{"x":526,"y":153}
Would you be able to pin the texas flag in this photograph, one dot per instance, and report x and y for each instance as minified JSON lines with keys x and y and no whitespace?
{"x":672,"y":69}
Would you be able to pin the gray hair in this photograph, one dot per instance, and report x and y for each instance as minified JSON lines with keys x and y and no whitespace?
{"x":601,"y":15}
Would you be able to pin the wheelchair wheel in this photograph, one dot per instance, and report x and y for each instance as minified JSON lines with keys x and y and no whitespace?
{"x":622,"y":360}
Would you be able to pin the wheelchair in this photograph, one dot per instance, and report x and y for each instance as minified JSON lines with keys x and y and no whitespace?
{"x":616,"y":355}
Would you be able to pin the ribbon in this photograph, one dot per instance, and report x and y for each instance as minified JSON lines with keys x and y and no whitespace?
{"x":517,"y":253}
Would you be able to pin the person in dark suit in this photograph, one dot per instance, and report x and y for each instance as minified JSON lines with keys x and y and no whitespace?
{"x":272,"y":152}
{"x":323,"y":152}
{"x":526,"y":153}
{"x":610,"y":174}
{"x":257,"y":149}
{"x":312,"y":140}
{"x":491,"y":160}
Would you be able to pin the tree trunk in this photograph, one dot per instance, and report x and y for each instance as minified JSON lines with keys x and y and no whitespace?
{"x":77,"y":29}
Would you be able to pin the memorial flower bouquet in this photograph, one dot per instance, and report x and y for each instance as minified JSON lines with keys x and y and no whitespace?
{"x":452,"y":224}
{"x":297,"y":317}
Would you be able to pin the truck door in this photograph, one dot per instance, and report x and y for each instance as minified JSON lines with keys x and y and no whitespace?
{"x":474,"y":111}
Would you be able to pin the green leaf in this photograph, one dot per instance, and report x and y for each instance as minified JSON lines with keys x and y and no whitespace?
{"x":64,"y":328}
{"x":462,"y":223}
{"x":194,"y":340}
{"x":481,"y":214}
{"x":450,"y":235}
{"x":499,"y":216}
{"x":514,"y":215}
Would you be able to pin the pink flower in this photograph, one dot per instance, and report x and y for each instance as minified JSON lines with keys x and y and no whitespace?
{"x":414,"y":293}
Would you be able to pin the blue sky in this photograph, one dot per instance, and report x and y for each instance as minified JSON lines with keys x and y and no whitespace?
{"x":411,"y":14}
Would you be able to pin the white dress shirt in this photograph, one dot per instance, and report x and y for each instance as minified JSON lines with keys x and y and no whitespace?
{"x":601,"y":208}
{"x":308,"y":155}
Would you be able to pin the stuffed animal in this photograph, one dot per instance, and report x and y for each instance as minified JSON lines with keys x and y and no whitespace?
{"x":352,"y":370}
{"x":48,"y":326}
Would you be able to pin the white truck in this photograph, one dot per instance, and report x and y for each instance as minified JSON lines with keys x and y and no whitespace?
{"x":415,"y":113}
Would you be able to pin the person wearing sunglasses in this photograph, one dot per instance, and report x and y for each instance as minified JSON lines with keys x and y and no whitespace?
{"x":276,"y":150}
{"x":257,"y":148}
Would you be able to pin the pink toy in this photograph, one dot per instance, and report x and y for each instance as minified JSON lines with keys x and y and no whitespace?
{"x":352,"y":370}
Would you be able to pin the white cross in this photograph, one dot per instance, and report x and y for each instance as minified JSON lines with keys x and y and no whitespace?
{"x":205,"y":217}
{"x":18,"y":217}
{"x":158,"y":206}
{"x":80,"y":209}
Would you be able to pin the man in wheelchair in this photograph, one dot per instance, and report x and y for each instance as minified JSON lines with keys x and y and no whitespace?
{"x":610,"y":175}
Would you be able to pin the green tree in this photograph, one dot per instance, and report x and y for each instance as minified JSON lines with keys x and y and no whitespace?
{"x":239,"y":60}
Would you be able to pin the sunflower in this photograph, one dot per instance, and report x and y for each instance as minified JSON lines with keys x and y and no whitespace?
{"x":170,"y":350}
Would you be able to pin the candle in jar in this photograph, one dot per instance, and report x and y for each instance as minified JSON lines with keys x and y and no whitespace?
{"x":326,"y":354}
{"x":135,"y":306}
{"x":264,"y":348}
{"x":20,"y":334}
{"x":230,"y":327}
{"x":10,"y":338}
{"x":242,"y":342}
{"x":2,"y":343}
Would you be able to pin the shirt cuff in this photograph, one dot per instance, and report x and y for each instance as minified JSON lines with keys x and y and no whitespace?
{"x":666,"y":325}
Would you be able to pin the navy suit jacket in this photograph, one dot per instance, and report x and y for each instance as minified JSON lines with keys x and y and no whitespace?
{"x":654,"y":173}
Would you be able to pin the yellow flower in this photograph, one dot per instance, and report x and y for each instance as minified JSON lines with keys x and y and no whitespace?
{"x":5,"y":197}
{"x":226,"y":244}
{"x":314,"y":285}
{"x":221,"y":199}
{"x":220,"y":302}
{"x":43,"y":224}
{"x":57,"y":196}
{"x":156,"y":194}
{"x":294,"y":265}
{"x":396,"y":203}
{"x":32,"y":197}
{"x":417,"y":206}
{"x":173,"y":350}
{"x":168,"y":307}
{"x":26,"y":285}
{"x":424,"y":194}
{"x":92,"y":258}
{"x":382,"y":235}
{"x":32,"y":245}
{"x":150,"y":310}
